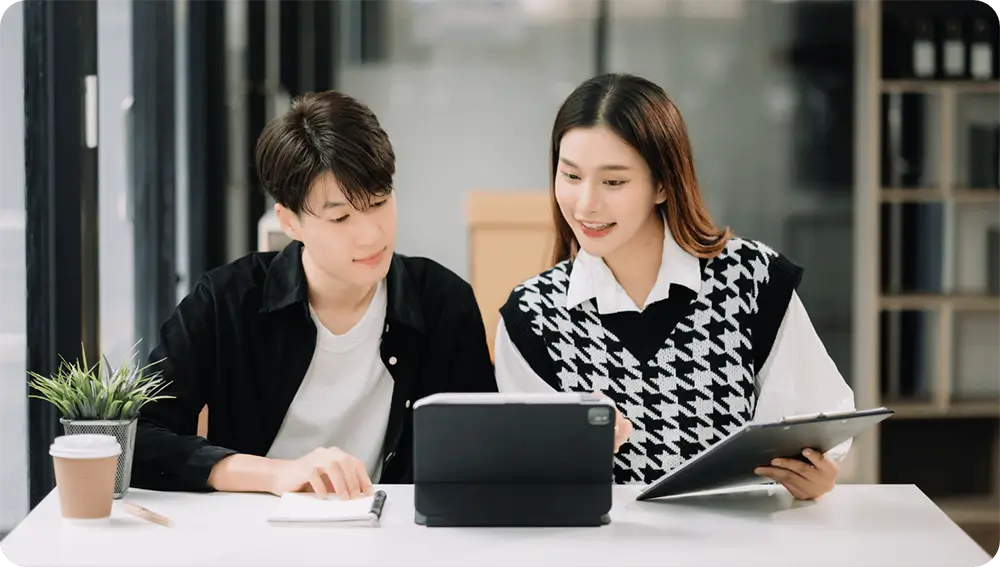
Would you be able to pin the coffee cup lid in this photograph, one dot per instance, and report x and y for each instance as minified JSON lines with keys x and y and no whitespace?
{"x":85,"y":446}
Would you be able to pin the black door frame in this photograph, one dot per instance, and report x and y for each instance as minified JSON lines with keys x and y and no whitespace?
{"x":207,"y":142}
{"x":152,"y":145}
{"x":61,"y":189}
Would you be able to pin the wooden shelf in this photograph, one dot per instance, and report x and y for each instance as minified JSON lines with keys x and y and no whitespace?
{"x":934,"y":87}
{"x":937,"y":195}
{"x":963,"y":210}
{"x":907,"y":302}
{"x":955,"y":410}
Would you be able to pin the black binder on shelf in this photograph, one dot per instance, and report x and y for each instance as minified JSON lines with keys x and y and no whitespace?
{"x":993,"y":262}
{"x":984,"y":156}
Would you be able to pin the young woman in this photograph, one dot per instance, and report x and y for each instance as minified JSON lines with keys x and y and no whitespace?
{"x":691,"y":331}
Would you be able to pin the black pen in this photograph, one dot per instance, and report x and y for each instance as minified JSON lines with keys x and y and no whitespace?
{"x":375,"y":514}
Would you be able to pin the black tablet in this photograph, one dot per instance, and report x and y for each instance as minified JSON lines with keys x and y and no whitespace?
{"x":731,"y":462}
{"x":494,"y":459}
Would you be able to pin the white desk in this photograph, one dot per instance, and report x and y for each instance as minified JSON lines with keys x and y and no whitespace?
{"x":853,"y":525}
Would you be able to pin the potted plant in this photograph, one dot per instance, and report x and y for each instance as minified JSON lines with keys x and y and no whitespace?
{"x":102,"y":399}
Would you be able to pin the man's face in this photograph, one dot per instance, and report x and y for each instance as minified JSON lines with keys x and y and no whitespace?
{"x":351,"y":246}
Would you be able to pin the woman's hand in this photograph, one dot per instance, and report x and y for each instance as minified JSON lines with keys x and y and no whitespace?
{"x":623,"y":427}
{"x":805,"y":481}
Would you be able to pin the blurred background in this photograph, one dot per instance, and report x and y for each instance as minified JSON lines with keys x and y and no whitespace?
{"x":860,"y":138}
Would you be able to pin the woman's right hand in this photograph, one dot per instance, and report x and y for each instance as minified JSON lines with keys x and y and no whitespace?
{"x":623,"y":427}
{"x":323,"y":470}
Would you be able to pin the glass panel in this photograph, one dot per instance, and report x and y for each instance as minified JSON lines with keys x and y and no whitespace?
{"x":13,"y":347}
{"x":117,"y":295}
{"x":771,"y":120}
{"x":181,"y":179}
{"x":467,"y":91}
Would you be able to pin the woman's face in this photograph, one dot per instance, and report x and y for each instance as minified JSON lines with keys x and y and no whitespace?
{"x":604,"y":189}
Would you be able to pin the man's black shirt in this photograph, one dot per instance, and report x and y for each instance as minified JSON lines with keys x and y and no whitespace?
{"x":241,"y":343}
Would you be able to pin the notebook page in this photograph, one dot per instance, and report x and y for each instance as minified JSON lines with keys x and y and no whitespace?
{"x":298,"y":507}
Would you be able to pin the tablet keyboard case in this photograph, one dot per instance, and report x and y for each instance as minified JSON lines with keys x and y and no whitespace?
{"x":517,"y":464}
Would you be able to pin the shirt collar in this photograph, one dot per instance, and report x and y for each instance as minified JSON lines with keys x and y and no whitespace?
{"x":592,"y":279}
{"x":285,"y":286}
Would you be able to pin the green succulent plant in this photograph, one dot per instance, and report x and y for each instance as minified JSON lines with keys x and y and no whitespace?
{"x":100,"y":392}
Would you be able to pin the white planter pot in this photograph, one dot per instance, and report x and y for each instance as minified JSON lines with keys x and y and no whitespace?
{"x":123,"y":431}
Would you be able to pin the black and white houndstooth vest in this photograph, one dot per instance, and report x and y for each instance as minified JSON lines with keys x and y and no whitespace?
{"x":683,"y":372}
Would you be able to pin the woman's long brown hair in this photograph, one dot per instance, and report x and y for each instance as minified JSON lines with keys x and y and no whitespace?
{"x":642,"y":115}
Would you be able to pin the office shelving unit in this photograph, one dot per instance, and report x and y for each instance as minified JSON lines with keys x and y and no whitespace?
{"x":942,"y":438}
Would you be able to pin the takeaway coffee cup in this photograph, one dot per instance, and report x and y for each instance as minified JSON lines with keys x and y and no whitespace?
{"x":85,"y":468}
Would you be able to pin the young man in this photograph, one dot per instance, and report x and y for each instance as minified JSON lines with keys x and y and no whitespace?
{"x":310,"y":359}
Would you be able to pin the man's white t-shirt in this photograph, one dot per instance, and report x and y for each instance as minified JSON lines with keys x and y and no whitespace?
{"x":345,"y":396}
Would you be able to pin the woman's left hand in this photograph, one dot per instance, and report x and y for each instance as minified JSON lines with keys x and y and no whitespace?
{"x":805,"y":481}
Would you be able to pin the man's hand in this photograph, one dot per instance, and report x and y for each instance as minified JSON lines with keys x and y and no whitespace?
{"x":323,"y":471}
{"x":804,"y":481}
{"x":623,"y":427}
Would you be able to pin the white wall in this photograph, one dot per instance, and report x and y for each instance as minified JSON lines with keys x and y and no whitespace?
{"x":13,"y":389}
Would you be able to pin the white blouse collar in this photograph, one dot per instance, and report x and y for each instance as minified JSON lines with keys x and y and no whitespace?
{"x":592,"y":279}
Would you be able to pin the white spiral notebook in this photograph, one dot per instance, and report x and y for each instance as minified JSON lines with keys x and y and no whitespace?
{"x":310,"y":508}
